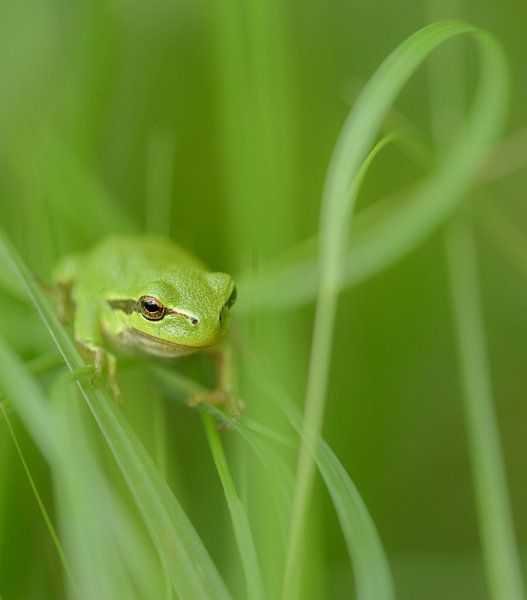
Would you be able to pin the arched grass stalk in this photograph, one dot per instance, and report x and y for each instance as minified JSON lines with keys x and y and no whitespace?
{"x":384,"y":233}
{"x":393,"y":234}
{"x":502,"y":562}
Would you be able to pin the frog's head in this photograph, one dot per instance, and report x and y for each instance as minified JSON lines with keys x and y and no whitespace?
{"x":183,"y":312}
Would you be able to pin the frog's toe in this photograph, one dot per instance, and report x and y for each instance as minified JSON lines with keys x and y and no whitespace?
{"x":218,"y":398}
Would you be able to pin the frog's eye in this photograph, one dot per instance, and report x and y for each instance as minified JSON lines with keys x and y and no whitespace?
{"x":232,"y":297}
{"x":151,"y":308}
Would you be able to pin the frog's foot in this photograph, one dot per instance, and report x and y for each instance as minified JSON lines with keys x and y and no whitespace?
{"x":218,"y":398}
{"x":111,"y":361}
{"x":102,"y":359}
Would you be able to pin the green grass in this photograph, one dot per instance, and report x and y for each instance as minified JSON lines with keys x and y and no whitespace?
{"x":497,"y":530}
{"x":333,"y":475}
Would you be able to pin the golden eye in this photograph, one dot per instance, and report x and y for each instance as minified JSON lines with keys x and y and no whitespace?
{"x":151,"y":308}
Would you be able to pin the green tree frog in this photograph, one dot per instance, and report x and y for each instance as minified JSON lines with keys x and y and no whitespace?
{"x":146,"y":294}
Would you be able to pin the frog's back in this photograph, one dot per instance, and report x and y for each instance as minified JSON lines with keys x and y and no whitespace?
{"x":116,"y":261}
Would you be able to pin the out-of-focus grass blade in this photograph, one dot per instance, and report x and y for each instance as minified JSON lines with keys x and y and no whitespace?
{"x":240,"y":521}
{"x":39,"y":420}
{"x":41,"y":505}
{"x":372,"y":572}
{"x":380,"y":241}
{"x":503,"y":565}
{"x":95,"y":211}
{"x":159,"y":182}
{"x":60,"y":176}
{"x":192,"y":571}
{"x":18,"y":384}
{"x":371,"y":569}
{"x":509,"y":237}
{"x":93,"y":521}
{"x":9,"y":283}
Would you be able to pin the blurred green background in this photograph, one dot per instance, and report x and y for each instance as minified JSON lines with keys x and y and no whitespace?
{"x":115,"y":114}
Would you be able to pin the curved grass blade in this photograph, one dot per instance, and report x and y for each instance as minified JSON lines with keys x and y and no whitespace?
{"x":191,"y":569}
{"x":368,"y":558}
{"x":383,"y":234}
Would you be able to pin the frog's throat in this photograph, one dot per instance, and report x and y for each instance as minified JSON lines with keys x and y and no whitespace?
{"x":150,"y":344}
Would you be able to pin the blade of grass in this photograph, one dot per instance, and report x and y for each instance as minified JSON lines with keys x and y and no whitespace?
{"x":191,"y":569}
{"x":368,"y":558}
{"x":158,"y":195}
{"x":45,"y":515}
{"x":503,"y":567}
{"x":80,"y":487}
{"x":183,"y":388}
{"x":239,"y":518}
{"x":372,"y":573}
{"x":160,"y":457}
{"x":342,"y":195}
{"x":107,"y":578}
{"x":394,"y":231}
{"x":59,"y":175}
{"x":506,"y":234}
{"x":110,"y":558}
{"x":159,"y":175}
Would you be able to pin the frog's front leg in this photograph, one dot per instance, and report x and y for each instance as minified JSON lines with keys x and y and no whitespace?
{"x":89,"y":336}
{"x":225,"y":392}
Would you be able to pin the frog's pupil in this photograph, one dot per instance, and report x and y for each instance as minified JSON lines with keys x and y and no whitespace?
{"x":151,"y":306}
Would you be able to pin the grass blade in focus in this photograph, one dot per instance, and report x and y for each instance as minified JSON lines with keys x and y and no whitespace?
{"x":240,"y":521}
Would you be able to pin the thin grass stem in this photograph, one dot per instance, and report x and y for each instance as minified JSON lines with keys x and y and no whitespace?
{"x":45,"y":515}
{"x":240,"y":521}
{"x":332,"y":251}
{"x":490,"y":483}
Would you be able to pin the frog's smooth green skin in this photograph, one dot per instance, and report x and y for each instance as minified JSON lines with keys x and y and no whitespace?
{"x":116,"y":287}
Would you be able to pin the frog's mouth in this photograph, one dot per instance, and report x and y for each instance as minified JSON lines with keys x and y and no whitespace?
{"x":157,"y":346}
